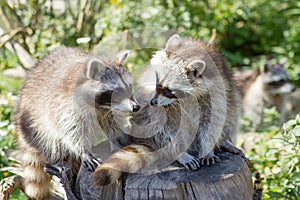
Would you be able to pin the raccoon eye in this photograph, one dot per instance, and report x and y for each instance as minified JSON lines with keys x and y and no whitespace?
{"x":168,"y":93}
{"x":104,"y":98}
{"x":277,"y":83}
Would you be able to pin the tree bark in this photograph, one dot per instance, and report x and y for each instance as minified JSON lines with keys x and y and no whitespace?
{"x":8,"y":185}
{"x":230,"y":179}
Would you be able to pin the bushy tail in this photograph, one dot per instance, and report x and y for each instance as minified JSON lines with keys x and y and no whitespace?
{"x":37,"y":183}
{"x":132,"y":159}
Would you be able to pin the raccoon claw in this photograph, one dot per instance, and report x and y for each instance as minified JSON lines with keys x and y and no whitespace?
{"x":90,"y":162}
{"x":194,"y":164}
{"x":51,"y":170}
{"x":229,"y":147}
{"x":61,"y":170}
{"x":235,"y":151}
{"x":210,"y":160}
{"x":91,"y":165}
{"x":189,"y":162}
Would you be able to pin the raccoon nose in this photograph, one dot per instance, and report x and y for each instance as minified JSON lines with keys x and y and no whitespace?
{"x":136,"y":108}
{"x":153,"y":102}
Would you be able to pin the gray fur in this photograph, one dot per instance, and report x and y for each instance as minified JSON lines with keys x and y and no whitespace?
{"x":270,"y":86}
{"x":205,"y":114}
{"x":61,"y":109}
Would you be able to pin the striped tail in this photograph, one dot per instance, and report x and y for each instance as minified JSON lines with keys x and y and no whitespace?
{"x":132,"y":159}
{"x":37,"y":183}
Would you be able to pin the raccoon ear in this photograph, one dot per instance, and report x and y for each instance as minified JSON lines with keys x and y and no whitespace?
{"x":173,"y":41}
{"x":195,"y":68}
{"x":122,"y":57}
{"x":94,"y":67}
{"x":265,"y":67}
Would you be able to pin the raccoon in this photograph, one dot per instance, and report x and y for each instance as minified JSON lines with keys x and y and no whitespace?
{"x":67,"y":99}
{"x":292,"y":105}
{"x":267,"y":87}
{"x":190,"y":108}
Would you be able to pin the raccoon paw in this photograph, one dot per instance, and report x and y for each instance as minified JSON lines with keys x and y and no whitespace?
{"x":189,"y":162}
{"x":209,"y":159}
{"x":229,"y":147}
{"x":104,"y":175}
{"x":62,"y":171}
{"x":90,"y":162}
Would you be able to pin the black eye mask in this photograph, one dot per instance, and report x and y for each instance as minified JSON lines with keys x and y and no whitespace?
{"x":168,"y":93}
{"x":104,"y":98}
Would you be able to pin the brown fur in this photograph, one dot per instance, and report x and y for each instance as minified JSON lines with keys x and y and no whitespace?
{"x":204,"y":117}
{"x":244,"y":80}
{"x":264,"y":88}
{"x":59,"y":114}
{"x":131,"y":158}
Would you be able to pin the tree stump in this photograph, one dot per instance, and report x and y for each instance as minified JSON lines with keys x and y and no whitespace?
{"x":230,"y":179}
{"x":8,"y":185}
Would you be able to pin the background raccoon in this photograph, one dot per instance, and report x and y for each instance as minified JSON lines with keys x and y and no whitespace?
{"x":269,"y":86}
{"x":65,"y":101}
{"x":194,"y":110}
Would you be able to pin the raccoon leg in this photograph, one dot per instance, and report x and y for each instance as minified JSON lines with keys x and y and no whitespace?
{"x":210,"y":159}
{"x":189,"y":162}
{"x":206,"y":151}
{"x":229,"y":147}
{"x":37,"y":183}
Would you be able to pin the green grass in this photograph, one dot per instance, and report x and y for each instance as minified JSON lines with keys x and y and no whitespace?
{"x":9,"y":84}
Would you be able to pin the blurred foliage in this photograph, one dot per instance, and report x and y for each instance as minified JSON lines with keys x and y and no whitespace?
{"x":8,"y":90}
{"x":275,"y":154}
{"x":248,"y":33}
{"x":246,"y":30}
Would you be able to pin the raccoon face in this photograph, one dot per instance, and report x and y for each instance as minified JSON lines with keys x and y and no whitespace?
{"x":166,"y":93}
{"x":163,"y":96}
{"x":109,"y":85}
{"x":181,"y":74}
{"x":276,"y":80}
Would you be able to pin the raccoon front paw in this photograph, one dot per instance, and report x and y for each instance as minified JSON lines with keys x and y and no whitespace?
{"x":229,"y":147}
{"x":105,"y":175}
{"x":236,"y":151}
{"x":209,"y":159}
{"x":62,"y":171}
{"x":189,"y":162}
{"x":90,"y":162}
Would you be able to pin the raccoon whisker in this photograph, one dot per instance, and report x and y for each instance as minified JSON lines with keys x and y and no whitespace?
{"x":116,"y":110}
{"x":181,"y":108}
{"x":174,"y":105}
{"x":107,"y":113}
